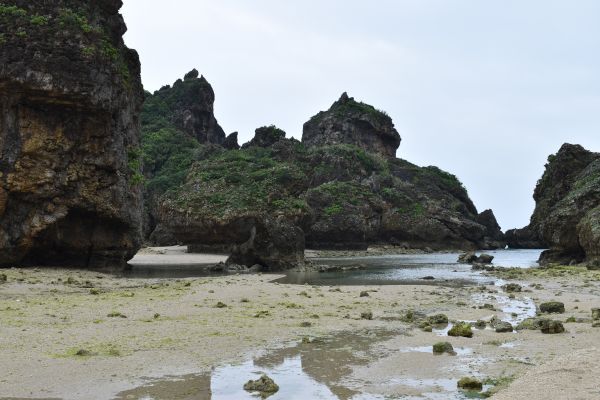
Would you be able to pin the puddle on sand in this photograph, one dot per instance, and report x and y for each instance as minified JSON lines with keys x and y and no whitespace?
{"x":436,"y":389}
{"x":442,"y":330}
{"x":304,"y":371}
{"x":187,"y":387}
{"x":321,"y":370}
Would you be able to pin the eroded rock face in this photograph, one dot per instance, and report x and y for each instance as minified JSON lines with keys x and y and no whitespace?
{"x":274,"y":195}
{"x":524,"y":238}
{"x":70,"y":97}
{"x":493,"y":235}
{"x":187,"y":106}
{"x":566,"y":217}
{"x":231,"y":141}
{"x":266,"y":136}
{"x":352,"y":122}
{"x":274,"y":242}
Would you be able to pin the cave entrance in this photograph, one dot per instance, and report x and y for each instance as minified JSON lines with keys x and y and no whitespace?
{"x":83,"y":239}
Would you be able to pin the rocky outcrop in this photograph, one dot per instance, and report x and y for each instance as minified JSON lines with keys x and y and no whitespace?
{"x":493,"y":237}
{"x":524,"y":238}
{"x":566,"y":216}
{"x":266,"y":136}
{"x":178,"y":128}
{"x":187,"y":106}
{"x":275,"y":195}
{"x":70,"y":96}
{"x":271,"y":241}
{"x":231,"y":141}
{"x":355,"y":123}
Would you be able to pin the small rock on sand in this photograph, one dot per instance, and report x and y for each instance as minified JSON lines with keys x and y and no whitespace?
{"x":264,"y":385}
{"x":555,"y":307}
{"x":469,"y":383}
{"x":461,"y":329}
{"x":443,"y":347}
{"x":551,"y":327}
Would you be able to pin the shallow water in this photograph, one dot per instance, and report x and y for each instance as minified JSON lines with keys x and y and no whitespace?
{"x":319,"y":370}
{"x":410,"y":269}
{"x":379,"y":270}
{"x":322,"y":369}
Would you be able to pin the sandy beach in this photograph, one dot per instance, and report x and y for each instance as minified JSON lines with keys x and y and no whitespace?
{"x":69,"y":334}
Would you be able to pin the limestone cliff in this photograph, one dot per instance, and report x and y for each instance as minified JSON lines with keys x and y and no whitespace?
{"x":176,"y":121}
{"x":351,"y":122}
{"x":274,"y":195}
{"x":566,"y":216}
{"x":70,"y":96}
{"x":188,"y":106}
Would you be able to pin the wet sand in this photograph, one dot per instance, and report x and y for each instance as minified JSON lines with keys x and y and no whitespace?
{"x":164,"y":328}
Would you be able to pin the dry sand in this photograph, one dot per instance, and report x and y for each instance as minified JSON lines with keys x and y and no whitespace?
{"x":175,"y":255}
{"x":175,"y":327}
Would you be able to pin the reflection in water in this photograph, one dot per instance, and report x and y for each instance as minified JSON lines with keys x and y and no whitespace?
{"x":294,"y":384}
{"x":409,"y":269}
{"x":322,"y":369}
{"x":189,"y":387}
{"x":380,"y":270}
{"x":319,"y":369}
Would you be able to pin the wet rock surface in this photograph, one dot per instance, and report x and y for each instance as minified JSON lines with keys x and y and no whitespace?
{"x":264,"y":385}
{"x":470,"y":384}
{"x":70,"y":98}
{"x":512,"y":288}
{"x":472,"y":258}
{"x":443,"y":347}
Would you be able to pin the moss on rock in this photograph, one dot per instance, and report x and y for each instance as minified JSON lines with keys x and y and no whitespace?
{"x":461,"y":329}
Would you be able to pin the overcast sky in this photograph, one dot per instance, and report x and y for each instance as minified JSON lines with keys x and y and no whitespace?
{"x":483,"y":89}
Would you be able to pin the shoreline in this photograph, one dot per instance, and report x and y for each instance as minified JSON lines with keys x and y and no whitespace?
{"x":176,"y":327}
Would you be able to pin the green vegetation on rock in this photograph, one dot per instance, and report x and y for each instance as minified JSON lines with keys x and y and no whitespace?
{"x":443,"y":347}
{"x":461,"y":329}
{"x":470,"y":383}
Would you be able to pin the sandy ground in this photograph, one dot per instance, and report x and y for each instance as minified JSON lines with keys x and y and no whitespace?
{"x":127,"y":330}
{"x":174,"y":255}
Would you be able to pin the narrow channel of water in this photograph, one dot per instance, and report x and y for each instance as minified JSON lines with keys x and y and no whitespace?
{"x":413,"y":269}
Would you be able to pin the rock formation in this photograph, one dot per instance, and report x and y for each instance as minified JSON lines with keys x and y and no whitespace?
{"x":271,"y":197}
{"x":567,"y":213}
{"x":70,"y":96}
{"x":187,"y":106}
{"x":266,"y":136}
{"x":178,"y":128}
{"x":523,"y":238}
{"x":355,"y":123}
{"x":493,"y":234}
{"x":231,"y":141}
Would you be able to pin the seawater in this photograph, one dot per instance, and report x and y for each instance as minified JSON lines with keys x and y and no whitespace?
{"x":410,"y":269}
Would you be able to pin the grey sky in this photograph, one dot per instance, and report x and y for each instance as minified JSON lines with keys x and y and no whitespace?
{"x":483,"y":89}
